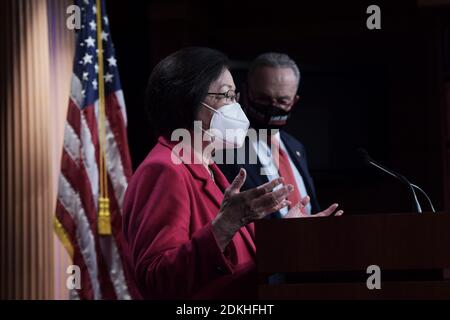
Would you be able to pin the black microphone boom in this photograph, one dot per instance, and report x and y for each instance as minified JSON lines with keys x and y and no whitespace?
{"x":369,"y":161}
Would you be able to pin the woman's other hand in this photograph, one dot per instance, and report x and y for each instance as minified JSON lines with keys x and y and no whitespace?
{"x":298,"y":211}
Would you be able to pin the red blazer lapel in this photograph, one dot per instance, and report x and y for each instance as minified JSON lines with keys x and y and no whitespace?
{"x":199,"y":172}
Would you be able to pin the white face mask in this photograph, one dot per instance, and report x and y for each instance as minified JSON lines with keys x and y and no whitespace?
{"x":228,"y":127}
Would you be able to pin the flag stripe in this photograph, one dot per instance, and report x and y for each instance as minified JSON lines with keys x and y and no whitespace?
{"x":121,"y":102}
{"x":74,"y":116}
{"x":114,"y":166}
{"x":70,"y":228}
{"x":70,"y":200}
{"x":89,"y":159}
{"x":72,"y":143}
{"x":76,"y":91}
{"x":117,"y":122}
{"x":77,"y":178}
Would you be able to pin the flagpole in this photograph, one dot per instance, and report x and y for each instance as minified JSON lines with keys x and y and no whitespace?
{"x":104,"y":216}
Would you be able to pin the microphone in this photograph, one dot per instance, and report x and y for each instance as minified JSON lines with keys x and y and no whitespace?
{"x":369,"y":161}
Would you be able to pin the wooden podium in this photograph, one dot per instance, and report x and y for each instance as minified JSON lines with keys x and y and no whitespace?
{"x":327,"y":258}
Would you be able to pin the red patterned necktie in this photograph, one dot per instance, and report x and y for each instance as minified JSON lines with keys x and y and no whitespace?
{"x":285,"y":170}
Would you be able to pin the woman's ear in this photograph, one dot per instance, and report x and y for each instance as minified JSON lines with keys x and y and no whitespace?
{"x":296,"y":98}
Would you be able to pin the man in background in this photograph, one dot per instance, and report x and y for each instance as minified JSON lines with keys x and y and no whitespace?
{"x":268,"y":100}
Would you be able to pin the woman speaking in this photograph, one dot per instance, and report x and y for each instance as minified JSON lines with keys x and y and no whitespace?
{"x":189,"y":233}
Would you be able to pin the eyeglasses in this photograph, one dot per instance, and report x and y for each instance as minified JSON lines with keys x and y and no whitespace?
{"x":229,"y":95}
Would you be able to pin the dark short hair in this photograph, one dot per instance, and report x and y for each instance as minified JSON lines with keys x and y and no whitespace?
{"x":177,"y":86}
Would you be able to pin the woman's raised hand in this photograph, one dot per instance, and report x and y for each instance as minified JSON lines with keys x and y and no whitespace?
{"x":241,"y":208}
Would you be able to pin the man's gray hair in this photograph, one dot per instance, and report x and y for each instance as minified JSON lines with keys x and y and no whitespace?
{"x":274,"y":60}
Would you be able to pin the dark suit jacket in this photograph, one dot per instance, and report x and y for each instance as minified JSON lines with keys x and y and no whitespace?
{"x":296,"y":152}
{"x":171,"y":250}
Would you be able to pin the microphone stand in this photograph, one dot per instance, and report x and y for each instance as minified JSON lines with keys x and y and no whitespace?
{"x":402,"y":178}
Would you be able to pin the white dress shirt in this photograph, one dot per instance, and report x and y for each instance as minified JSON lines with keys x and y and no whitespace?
{"x":269,"y":168}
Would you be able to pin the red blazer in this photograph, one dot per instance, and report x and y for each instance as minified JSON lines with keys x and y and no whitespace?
{"x":171,"y":250}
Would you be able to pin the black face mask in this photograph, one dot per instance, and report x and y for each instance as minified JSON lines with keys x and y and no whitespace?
{"x":263,"y":116}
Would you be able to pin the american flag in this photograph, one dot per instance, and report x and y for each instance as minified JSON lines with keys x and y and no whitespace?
{"x":76,"y":221}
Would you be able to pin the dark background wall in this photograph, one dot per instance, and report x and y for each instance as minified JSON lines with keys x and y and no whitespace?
{"x":383,"y":90}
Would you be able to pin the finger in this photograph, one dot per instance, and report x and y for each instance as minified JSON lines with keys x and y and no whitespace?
{"x":261,"y":213}
{"x":263,"y":189}
{"x":305,"y":201}
{"x":298,"y":206}
{"x":238,"y":182}
{"x":339,"y":213}
{"x":266,"y":211}
{"x":295,"y":211}
{"x":272,"y":199}
{"x":269,"y":186}
{"x":328,"y":211}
